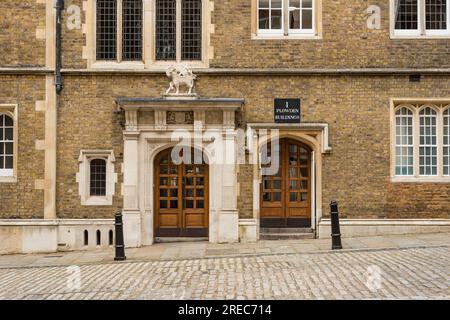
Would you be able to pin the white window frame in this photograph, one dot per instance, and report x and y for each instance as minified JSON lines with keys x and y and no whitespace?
{"x":301,"y":30}
{"x":421,"y":31}
{"x":448,"y":142}
{"x":285,"y":32}
{"x":269,"y":32}
{"x":8,"y":175}
{"x":417,"y":105}
{"x":149,"y":42}
{"x":83,"y":177}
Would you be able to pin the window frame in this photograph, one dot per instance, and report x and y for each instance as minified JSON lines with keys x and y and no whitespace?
{"x":446,"y":109}
{"x":421,"y":32}
{"x":285,"y":32}
{"x":416,"y":106}
{"x":11,"y":110}
{"x":84,"y":180}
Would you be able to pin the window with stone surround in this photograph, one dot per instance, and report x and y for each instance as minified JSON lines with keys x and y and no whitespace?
{"x":287,"y":18}
{"x":96,"y":177}
{"x":139,"y":34}
{"x":420,"y":18}
{"x":421,"y":142}
{"x":8,"y":143}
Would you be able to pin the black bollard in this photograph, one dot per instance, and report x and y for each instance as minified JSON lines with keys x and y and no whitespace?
{"x":335,"y":228}
{"x":120,"y":247}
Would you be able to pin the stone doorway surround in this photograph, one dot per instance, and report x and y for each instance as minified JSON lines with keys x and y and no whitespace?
{"x":153,"y":125}
{"x":314,"y":135}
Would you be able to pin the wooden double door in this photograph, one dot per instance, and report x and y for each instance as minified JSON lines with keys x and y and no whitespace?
{"x":286,"y":194}
{"x":181,"y":197}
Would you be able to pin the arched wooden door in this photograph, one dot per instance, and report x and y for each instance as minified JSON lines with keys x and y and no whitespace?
{"x":286,"y":195}
{"x":181,"y":198}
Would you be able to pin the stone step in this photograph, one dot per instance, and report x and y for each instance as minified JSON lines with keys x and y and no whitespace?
{"x":178,"y":239}
{"x":286,"y":236}
{"x":286,"y":230}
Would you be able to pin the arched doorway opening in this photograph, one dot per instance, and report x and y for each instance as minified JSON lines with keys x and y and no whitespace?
{"x":286,"y":195}
{"x":181,"y":193}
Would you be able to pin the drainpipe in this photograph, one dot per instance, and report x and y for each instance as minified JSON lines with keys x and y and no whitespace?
{"x":59,"y":6}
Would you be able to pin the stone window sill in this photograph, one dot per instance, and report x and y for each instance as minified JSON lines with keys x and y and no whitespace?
{"x":288,"y":37}
{"x":8,"y":179}
{"x":97,"y":201}
{"x":397,"y":179}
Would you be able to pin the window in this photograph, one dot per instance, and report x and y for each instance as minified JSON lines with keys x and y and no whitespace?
{"x":301,"y":17}
{"x":421,"y":142}
{"x":428,"y":142}
{"x":404,"y":142}
{"x":119,"y":30}
{"x":6,"y":146}
{"x":96,"y":177}
{"x":171,"y":46}
{"x":415,"y":18}
{"x":148,"y":34}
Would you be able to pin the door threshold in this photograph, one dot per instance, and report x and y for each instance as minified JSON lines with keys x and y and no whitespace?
{"x":178,"y":239}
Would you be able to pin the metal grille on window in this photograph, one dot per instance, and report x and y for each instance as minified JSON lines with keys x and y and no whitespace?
{"x":106,"y":30}
{"x":270,"y":14}
{"x":436,"y":14}
{"x":404,"y":146}
{"x":446,"y":144}
{"x":98,"y":177}
{"x":166,"y":28}
{"x":191,"y":30}
{"x":428,"y":142}
{"x":406,"y":15}
{"x":132,"y":30}
{"x":6,"y":145}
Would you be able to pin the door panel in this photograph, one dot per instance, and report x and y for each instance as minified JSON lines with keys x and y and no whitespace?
{"x":286,"y":196}
{"x":181,"y":198}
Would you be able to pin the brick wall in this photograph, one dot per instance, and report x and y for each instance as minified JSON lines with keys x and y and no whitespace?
{"x":18,"y":23}
{"x":21,"y":200}
{"x":356,"y":173}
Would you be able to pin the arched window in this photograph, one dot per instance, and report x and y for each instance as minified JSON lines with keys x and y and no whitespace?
{"x":187,"y":46}
{"x":6,"y":146}
{"x":111,"y":237}
{"x":428,"y":142}
{"x":446,"y":142}
{"x":404,"y":146}
{"x":86,"y":237}
{"x":99,"y":238}
{"x":98,"y":177}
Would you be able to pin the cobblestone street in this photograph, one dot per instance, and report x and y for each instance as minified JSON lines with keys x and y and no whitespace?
{"x":421,"y":272}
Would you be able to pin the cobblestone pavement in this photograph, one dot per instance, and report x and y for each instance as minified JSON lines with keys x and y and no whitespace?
{"x":421,"y":272}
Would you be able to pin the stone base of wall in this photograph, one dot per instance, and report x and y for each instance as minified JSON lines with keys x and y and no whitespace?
{"x":248,"y":230}
{"x":45,"y":236}
{"x":379,"y":227}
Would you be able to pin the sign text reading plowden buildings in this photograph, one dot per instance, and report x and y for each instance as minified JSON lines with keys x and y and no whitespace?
{"x":287,"y":110}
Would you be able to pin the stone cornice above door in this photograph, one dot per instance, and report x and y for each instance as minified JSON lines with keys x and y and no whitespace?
{"x":160,"y":107}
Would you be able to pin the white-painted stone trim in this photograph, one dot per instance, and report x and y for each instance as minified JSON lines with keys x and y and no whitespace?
{"x":83,"y":177}
{"x":381,"y":227}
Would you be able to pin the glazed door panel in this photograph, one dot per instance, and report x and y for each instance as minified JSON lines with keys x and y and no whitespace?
{"x":181,"y":198}
{"x":286,"y":195}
